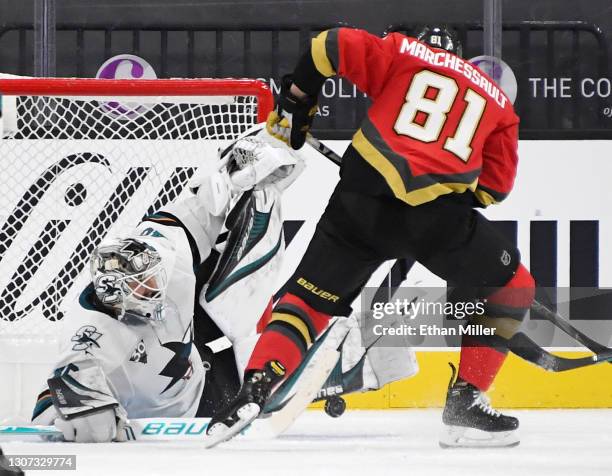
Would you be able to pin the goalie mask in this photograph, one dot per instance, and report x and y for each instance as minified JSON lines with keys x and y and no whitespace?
{"x":128,"y":275}
{"x":440,"y":37}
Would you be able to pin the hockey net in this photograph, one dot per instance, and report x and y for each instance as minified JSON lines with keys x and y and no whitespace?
{"x":83,"y":159}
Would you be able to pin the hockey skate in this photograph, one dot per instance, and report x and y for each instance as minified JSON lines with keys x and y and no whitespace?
{"x":246,"y":405}
{"x":471,"y":422}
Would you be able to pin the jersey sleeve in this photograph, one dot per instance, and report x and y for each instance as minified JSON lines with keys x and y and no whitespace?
{"x":499,"y":164}
{"x":357,"y":55}
{"x":195,"y":228}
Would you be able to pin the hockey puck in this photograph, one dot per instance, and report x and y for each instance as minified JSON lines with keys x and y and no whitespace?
{"x":335,"y":406}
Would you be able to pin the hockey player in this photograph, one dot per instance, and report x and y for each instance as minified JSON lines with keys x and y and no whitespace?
{"x":130,"y":349}
{"x":439,"y":139}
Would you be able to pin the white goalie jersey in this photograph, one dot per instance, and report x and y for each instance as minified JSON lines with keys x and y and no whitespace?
{"x":152,"y":367}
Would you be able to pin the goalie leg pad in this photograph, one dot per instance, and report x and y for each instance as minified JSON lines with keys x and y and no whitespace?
{"x":365,"y":366}
{"x":391,"y":364}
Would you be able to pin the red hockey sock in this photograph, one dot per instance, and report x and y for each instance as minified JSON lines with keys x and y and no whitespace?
{"x":480,"y":363}
{"x":292,"y":329}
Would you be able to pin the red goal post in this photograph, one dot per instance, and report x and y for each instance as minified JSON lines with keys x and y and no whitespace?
{"x":17,"y":86}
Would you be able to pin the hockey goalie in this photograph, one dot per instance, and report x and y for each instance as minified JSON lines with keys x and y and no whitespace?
{"x":139,"y":341}
{"x":129,"y":338}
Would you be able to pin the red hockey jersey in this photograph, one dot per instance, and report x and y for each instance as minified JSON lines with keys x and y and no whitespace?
{"x":437,"y":124}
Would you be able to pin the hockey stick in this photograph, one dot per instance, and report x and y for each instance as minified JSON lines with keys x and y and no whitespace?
{"x":158,"y":429}
{"x":570,"y":330}
{"x":323,"y":149}
{"x":527,"y":349}
{"x":25,"y":431}
{"x":139,"y":429}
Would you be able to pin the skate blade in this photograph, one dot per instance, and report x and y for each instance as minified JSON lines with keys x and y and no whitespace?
{"x":220,"y":432}
{"x":463,"y":437}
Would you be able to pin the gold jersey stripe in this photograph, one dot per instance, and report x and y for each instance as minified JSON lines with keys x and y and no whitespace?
{"x":484,"y":197}
{"x":293,"y":321}
{"x":391,"y":175}
{"x":319,"y":55}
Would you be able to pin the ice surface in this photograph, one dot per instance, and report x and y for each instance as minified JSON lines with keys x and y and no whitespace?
{"x":377,"y":443}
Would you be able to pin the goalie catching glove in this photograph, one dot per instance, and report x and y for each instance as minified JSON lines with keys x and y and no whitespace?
{"x":255,"y":161}
{"x":89,"y":411}
{"x":292,"y":117}
{"x":261,"y":162}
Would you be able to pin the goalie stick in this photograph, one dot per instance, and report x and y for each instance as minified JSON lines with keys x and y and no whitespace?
{"x":139,"y":429}
{"x":153,"y":429}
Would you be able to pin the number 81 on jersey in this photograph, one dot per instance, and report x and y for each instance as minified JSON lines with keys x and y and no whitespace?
{"x":436,"y":110}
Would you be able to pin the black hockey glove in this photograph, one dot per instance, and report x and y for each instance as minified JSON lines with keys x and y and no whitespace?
{"x":292,"y":117}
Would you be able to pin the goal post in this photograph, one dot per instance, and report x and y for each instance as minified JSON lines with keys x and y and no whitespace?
{"x":178,"y":88}
{"x":85,"y":159}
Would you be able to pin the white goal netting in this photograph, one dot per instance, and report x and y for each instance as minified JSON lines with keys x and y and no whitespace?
{"x":77,"y":167}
